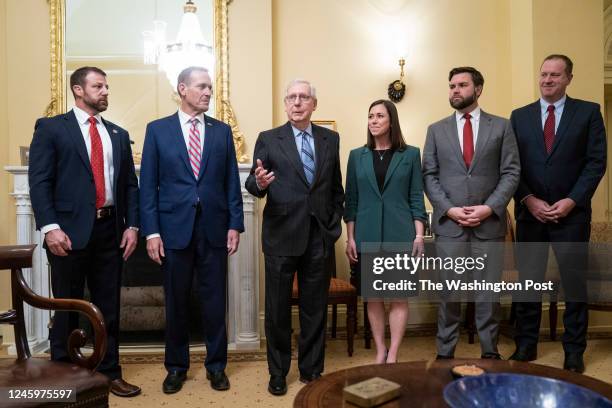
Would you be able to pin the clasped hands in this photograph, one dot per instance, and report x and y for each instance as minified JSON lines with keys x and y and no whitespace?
{"x":544,"y":212}
{"x":469,"y":216}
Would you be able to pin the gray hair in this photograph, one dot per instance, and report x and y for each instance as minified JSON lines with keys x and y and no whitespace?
{"x":298,"y":81}
{"x":185,"y":76}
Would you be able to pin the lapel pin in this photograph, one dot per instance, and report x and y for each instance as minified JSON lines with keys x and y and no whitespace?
{"x":209,"y":124}
{"x":115,"y":131}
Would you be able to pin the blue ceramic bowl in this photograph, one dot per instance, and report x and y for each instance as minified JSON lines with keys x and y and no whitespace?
{"x":519,"y":390}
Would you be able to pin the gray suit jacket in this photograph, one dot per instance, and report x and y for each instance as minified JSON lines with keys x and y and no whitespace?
{"x":491,"y":179}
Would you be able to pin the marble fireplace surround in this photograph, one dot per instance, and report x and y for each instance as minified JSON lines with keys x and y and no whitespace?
{"x":243,"y":272}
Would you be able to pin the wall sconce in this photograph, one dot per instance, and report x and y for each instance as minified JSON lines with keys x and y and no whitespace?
{"x":397,"y":88}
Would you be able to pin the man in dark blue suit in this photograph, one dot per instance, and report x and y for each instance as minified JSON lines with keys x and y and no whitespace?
{"x":84,"y":195}
{"x":562,"y":144}
{"x":191,"y":212}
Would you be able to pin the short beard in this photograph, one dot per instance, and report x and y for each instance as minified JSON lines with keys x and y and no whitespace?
{"x":98,"y":107}
{"x":462,"y":104}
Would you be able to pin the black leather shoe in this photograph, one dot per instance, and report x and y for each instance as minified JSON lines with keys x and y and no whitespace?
{"x":441,"y":357}
{"x":309,"y":378}
{"x":174,"y":382}
{"x":491,"y":356}
{"x":574,"y":362}
{"x":277,"y":385}
{"x":524,"y":354}
{"x":218,"y":380}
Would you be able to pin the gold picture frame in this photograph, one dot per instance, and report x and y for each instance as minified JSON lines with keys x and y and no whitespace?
{"x":329,"y":124}
{"x":224,"y":111}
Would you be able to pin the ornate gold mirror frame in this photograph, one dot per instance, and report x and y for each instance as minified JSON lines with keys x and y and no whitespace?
{"x":224,"y":111}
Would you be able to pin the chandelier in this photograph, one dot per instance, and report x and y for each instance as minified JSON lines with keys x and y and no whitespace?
{"x":189,"y":48}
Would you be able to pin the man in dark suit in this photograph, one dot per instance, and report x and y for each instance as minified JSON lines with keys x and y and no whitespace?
{"x":191,"y":212}
{"x":297,"y":168}
{"x":562,"y":145}
{"x":84,"y":195}
{"x":471,"y":169}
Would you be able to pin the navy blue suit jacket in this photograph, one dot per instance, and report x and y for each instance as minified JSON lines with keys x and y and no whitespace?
{"x":169,"y":191}
{"x":575,"y":165}
{"x":62,"y":187}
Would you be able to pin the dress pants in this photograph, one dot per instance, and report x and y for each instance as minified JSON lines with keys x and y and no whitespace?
{"x":99,"y":263}
{"x":209,"y":266}
{"x":487,"y":308}
{"x":573,"y":263}
{"x":313,"y":283}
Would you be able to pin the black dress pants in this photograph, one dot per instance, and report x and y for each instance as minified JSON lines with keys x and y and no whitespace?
{"x":313,"y":283}
{"x":568,"y":242}
{"x":99,"y":263}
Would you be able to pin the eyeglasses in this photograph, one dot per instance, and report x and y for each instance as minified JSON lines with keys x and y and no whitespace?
{"x":296,"y":97}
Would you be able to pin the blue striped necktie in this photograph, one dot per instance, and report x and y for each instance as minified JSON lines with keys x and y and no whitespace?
{"x":307,"y":158}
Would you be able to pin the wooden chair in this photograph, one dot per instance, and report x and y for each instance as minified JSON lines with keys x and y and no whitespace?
{"x":340,"y":292}
{"x":25,"y":372}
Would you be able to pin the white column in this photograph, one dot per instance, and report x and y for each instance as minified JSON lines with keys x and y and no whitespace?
{"x":36,"y":320}
{"x":243,"y":279}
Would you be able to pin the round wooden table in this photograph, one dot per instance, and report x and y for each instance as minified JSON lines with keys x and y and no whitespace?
{"x":423,"y":382}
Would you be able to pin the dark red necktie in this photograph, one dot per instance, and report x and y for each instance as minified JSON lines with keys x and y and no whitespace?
{"x":549,"y":129}
{"x":468,"y":141}
{"x":97,"y":162}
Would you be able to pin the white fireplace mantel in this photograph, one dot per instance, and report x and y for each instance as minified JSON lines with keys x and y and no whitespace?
{"x":243,"y":273}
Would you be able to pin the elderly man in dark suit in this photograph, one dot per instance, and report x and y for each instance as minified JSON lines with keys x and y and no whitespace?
{"x":562,"y":142}
{"x":84,"y":195}
{"x":191,"y":212}
{"x":471,"y":169}
{"x":297,"y":168}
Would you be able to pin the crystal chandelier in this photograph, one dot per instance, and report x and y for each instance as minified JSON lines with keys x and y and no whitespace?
{"x":189,"y":48}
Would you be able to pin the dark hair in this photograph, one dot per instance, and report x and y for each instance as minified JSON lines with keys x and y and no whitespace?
{"x":78,"y":76}
{"x":477,"y":77}
{"x":569,"y":65}
{"x":185,"y":76}
{"x":395,"y":131}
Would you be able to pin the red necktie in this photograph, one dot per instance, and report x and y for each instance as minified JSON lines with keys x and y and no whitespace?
{"x":549,"y":129}
{"x":468,"y":141}
{"x":97,"y":162}
{"x":194,"y":147}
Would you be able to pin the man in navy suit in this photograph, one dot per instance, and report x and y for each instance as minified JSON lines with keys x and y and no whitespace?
{"x":562,"y":144}
{"x":84,"y":195}
{"x":191,"y":212}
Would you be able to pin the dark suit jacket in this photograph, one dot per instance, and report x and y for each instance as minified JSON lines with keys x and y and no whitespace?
{"x":388,"y":216}
{"x":575,"y":166}
{"x":290,"y":201}
{"x":169,"y":191}
{"x":62,"y":187}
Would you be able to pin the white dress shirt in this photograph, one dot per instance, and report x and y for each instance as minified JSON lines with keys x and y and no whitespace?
{"x":107,"y":149}
{"x":559,"y":105}
{"x":186,"y":127}
{"x":475,"y":124}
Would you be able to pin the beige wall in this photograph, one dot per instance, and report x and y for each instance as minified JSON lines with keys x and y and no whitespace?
{"x":345,"y":47}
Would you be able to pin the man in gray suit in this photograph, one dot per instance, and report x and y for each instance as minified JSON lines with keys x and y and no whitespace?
{"x":471,"y":169}
{"x":297,"y":167}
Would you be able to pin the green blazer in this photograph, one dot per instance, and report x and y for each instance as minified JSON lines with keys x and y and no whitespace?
{"x":386,"y":217}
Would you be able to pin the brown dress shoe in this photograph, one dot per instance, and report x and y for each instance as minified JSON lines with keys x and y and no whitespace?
{"x":123,"y":389}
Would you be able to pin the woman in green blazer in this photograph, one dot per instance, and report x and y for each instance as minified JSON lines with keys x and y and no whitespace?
{"x":384,"y":203}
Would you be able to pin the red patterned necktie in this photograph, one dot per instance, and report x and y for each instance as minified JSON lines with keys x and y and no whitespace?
{"x":468,"y":141}
{"x":549,"y":129}
{"x":194,"y":147}
{"x":97,"y":162}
